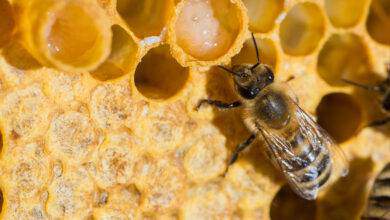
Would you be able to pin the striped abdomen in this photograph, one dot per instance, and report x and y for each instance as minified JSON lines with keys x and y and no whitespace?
{"x":310,"y":165}
{"x":378,"y":204}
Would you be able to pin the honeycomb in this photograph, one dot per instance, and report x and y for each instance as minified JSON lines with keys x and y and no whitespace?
{"x":97,"y":101}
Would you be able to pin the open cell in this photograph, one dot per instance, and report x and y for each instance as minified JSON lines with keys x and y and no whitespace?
{"x":7,"y":23}
{"x":378,"y":21}
{"x":146,"y":18}
{"x":287,"y":205}
{"x":262,"y":14}
{"x":340,"y":115}
{"x":159,"y":76}
{"x":206,"y":29}
{"x":122,"y":58}
{"x":76,"y":38}
{"x":266,"y":48}
{"x":302,"y":29}
{"x":343,"y":56}
{"x":69,"y":35}
{"x":344,"y":13}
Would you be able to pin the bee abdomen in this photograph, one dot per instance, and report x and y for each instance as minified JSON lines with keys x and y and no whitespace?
{"x":307,"y":154}
{"x":378,"y":205}
{"x":309,"y":165}
{"x":316,"y":174}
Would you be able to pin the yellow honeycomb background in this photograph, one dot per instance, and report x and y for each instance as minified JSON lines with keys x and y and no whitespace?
{"x":114,"y":135}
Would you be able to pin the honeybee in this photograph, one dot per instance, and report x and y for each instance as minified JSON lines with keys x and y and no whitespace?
{"x":296,"y":144}
{"x":383,"y":89}
{"x":378,"y":204}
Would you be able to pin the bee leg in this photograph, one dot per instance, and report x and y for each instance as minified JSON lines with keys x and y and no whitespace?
{"x":367,"y":87}
{"x":242,"y":146}
{"x":218,"y":104}
{"x":379,"y":122}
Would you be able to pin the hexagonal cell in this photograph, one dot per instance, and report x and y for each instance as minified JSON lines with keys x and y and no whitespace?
{"x":122,"y":58}
{"x":29,"y":173}
{"x":116,"y":160}
{"x":267,"y":52}
{"x":15,"y":208}
{"x":158,"y":76}
{"x":112,"y":106}
{"x":206,"y":157}
{"x":73,"y":35}
{"x":287,"y":205}
{"x":68,"y":199}
{"x":262,"y":14}
{"x":121,"y":203}
{"x":340,"y":115}
{"x":206,"y":29}
{"x":146,"y":18}
{"x":378,"y":25}
{"x":344,"y":13}
{"x":302,"y":29}
{"x":343,"y":56}
{"x":161,"y":183}
{"x":72,"y":137}
{"x":77,"y":38}
{"x":7,"y":22}
{"x":165,"y":126}
{"x":25,"y":114}
{"x":207,"y":201}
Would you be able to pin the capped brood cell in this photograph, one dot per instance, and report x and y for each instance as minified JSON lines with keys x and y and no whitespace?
{"x":70,"y":35}
{"x":207,"y":155}
{"x":27,"y":175}
{"x":121,"y":203}
{"x":206,"y":32}
{"x":115,"y":161}
{"x":68,"y":198}
{"x":24,"y":114}
{"x":113,"y":107}
{"x":72,"y":137}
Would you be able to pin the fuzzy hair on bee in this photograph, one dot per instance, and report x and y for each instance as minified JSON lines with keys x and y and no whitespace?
{"x":297,"y":146}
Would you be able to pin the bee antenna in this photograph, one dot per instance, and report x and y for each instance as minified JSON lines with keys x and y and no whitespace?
{"x":371,"y":88}
{"x":228,"y":70}
{"x":257,"y":52}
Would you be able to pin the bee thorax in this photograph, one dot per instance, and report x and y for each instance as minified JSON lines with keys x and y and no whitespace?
{"x":272,"y":109}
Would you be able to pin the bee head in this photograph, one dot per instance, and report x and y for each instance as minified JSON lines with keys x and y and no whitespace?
{"x":250,"y":81}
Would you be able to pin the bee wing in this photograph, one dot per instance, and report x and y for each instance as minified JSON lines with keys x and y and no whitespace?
{"x":323,"y":136}
{"x":284,"y":157}
{"x":278,"y":147}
